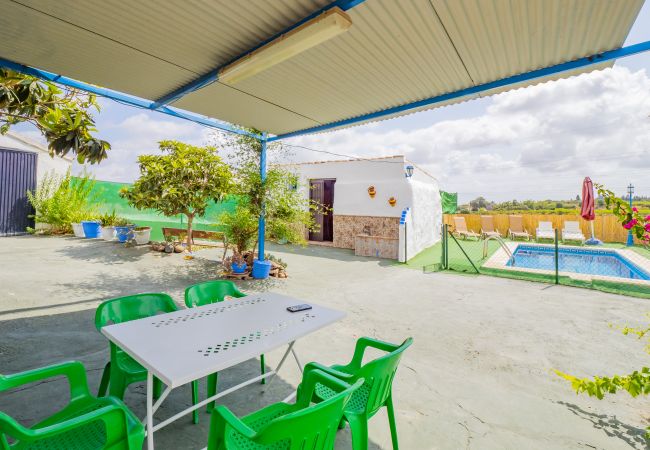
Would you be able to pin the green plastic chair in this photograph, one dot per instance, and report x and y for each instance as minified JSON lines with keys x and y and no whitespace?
{"x":85,"y":423}
{"x":207,"y":293}
{"x":376,"y":391}
{"x":297,"y":426}
{"x":122,"y":370}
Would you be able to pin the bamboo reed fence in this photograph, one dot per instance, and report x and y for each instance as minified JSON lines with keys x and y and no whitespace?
{"x":606,"y":226}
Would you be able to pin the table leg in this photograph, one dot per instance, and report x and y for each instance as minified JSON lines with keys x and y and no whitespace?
{"x":149,"y":411}
{"x":284,"y":357}
{"x":295,"y":356}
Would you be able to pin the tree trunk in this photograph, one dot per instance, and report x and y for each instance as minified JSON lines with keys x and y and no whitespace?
{"x":190,"y":218}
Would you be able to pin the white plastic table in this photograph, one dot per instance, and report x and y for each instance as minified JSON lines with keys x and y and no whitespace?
{"x":190,"y":344}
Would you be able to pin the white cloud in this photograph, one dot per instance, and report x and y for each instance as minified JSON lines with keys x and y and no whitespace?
{"x":138,"y":135}
{"x":537,"y":142}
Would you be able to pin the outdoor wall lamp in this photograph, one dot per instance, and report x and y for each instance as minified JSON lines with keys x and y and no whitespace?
{"x":409,"y":171}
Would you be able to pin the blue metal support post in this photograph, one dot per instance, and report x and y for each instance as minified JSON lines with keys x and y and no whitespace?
{"x":630,"y":236}
{"x":262,"y":220}
{"x":261,"y":266}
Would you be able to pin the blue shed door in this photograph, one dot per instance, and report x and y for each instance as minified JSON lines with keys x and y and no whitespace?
{"x":17,"y":176}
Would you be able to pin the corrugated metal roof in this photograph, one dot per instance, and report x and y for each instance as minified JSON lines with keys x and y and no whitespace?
{"x":396,"y":52}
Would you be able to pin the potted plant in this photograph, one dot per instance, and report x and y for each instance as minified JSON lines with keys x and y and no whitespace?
{"x":238,"y":264}
{"x":76,"y":219}
{"x":123,"y":230}
{"x":108,"y":221}
{"x":142,"y":235}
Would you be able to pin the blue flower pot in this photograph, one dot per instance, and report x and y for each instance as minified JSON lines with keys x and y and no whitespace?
{"x":124,"y":233}
{"x":261,"y":269}
{"x":238,"y":268}
{"x":92,"y":229}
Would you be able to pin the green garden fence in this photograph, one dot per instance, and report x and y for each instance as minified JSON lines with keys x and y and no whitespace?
{"x":107,"y":196}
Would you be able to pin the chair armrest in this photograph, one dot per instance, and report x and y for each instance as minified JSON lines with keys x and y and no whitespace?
{"x":73,"y":370}
{"x":362,"y":344}
{"x":328,"y":370}
{"x":112,"y":415}
{"x":315,"y":376}
{"x":222,"y":417}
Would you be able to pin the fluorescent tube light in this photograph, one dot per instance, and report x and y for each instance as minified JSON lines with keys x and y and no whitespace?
{"x":310,"y":34}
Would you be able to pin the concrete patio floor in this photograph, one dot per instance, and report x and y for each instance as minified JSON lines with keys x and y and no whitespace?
{"x":478,"y":375}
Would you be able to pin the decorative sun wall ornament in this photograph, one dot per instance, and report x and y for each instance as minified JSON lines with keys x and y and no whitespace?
{"x":372,"y":191}
{"x":392,"y":201}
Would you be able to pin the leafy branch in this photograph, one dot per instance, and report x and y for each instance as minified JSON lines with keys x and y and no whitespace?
{"x":630,"y":217}
{"x":636,"y":383}
{"x":61,"y":116}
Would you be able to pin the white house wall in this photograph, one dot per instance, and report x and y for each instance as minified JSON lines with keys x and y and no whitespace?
{"x":426,"y":217}
{"x":355,"y":211}
{"x":45,"y":164}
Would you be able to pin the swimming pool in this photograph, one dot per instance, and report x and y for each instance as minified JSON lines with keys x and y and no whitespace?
{"x":577,"y":260}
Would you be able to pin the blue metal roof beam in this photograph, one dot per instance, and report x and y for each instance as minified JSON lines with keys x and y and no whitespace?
{"x":213,"y":75}
{"x":124,"y":98}
{"x":504,"y":82}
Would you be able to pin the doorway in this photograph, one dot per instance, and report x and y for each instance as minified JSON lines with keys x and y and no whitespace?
{"x":321,"y":192}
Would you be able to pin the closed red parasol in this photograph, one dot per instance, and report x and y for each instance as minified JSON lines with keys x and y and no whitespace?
{"x":588,"y":212}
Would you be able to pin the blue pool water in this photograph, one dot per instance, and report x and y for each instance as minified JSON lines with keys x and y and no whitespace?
{"x":578,"y":260}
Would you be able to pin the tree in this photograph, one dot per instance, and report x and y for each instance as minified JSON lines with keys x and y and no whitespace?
{"x":61,"y":116}
{"x":287,"y":212}
{"x":183,"y":180}
{"x":478,"y":203}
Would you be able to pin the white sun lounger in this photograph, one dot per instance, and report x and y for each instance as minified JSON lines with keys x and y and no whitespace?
{"x":572,"y":232}
{"x":545,"y":231}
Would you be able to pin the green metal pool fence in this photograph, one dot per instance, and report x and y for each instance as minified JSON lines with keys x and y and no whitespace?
{"x":478,"y":256}
{"x":106,"y":194}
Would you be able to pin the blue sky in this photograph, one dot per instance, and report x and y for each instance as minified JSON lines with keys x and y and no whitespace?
{"x":534,"y":143}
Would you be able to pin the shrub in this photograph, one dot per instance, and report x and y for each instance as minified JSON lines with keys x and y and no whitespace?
{"x":60,"y":201}
{"x":240,"y":228}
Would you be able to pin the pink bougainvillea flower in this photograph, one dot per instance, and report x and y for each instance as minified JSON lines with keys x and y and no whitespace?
{"x":630,"y":224}
{"x":647,"y":218}
{"x":635,"y":209}
{"x":647,"y":227}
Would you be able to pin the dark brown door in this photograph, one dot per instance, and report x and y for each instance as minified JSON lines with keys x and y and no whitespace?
{"x":321,"y":192}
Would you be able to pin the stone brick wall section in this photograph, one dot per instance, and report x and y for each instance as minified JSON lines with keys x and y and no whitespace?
{"x":347,"y":227}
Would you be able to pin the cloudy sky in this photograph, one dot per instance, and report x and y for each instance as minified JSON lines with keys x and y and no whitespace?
{"x":532,"y":143}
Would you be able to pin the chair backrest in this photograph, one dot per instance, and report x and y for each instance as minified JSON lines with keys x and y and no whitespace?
{"x":132,"y":307}
{"x":487,"y":224}
{"x":516,"y":224}
{"x":211,"y":292}
{"x":379,"y":374}
{"x":304,"y":425}
{"x":459,"y":223}
{"x":571,"y":226}
{"x":545,"y":226}
{"x":315,"y":425}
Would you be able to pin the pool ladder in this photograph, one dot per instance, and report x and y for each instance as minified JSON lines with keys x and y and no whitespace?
{"x":503,"y":245}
